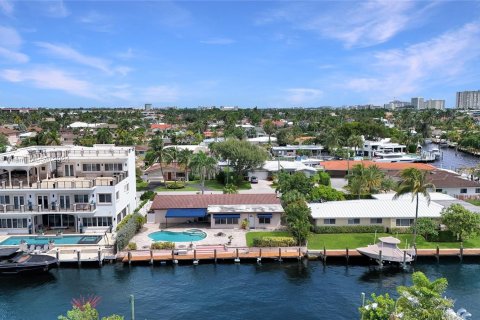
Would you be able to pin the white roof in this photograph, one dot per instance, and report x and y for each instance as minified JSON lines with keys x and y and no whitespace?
{"x":374,"y":209}
{"x":191,"y":147}
{"x":286,"y":165}
{"x":84,"y":125}
{"x":262,"y":139}
{"x":247,"y":208}
{"x":434,"y":196}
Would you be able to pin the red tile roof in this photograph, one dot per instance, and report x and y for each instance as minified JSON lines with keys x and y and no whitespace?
{"x":342,"y":165}
{"x":163,"y":202}
{"x":160,"y":126}
{"x":446,"y":179}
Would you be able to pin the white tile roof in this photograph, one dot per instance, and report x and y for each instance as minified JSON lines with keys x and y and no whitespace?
{"x":273,"y":166}
{"x":434,"y":196}
{"x":374,"y":209}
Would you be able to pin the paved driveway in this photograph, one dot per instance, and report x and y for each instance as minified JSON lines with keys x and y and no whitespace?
{"x":263,"y":186}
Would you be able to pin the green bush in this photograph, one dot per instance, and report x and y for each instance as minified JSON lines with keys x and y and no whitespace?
{"x":399,"y":230}
{"x":127,"y":228}
{"x":132,"y":246}
{"x":348,"y":229}
{"x":175,"y":185}
{"x":274,"y":242}
{"x":162,"y":246}
{"x":148,"y":195}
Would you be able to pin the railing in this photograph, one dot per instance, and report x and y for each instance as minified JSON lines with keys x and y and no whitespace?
{"x":76,"y":207}
{"x":75,"y":183}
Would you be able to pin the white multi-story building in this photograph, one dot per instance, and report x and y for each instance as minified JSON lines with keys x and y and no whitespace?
{"x":66,"y":188}
{"x":371,"y":148}
{"x":417,"y":103}
{"x":435,"y":104}
{"x":468,"y":100}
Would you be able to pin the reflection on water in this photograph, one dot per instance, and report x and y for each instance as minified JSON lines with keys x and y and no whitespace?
{"x":452,"y":160}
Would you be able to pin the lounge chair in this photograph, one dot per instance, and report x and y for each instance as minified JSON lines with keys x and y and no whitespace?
{"x":31,"y":248}
{"x":46,"y":248}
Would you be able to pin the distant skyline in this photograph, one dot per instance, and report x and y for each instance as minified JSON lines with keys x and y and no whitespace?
{"x":248,"y":53}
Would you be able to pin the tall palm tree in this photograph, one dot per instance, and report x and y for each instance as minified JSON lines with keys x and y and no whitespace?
{"x":184,"y":159}
{"x":415,"y":182}
{"x":269,"y":128}
{"x":373,"y":178}
{"x":203,"y":165}
{"x":104,"y":136}
{"x":355,"y":142}
{"x":53,"y":138}
{"x":172,"y":155}
{"x":157,"y":152}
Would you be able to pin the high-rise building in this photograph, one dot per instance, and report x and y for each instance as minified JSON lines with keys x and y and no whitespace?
{"x":148,"y":106}
{"x":418,"y":103}
{"x":434,"y":104}
{"x":468,"y":100}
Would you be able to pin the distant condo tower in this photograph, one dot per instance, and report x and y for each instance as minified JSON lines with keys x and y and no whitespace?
{"x":468,"y":100}
{"x":148,"y":106}
{"x":418,"y":103}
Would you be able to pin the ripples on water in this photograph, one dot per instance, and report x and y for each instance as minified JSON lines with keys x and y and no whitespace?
{"x":454,"y":160}
{"x":247,"y":291}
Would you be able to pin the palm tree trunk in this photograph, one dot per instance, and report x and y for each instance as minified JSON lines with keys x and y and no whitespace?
{"x":415,"y":224}
{"x":203,"y":180}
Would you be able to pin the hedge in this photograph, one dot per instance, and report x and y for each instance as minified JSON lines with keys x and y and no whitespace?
{"x":348,"y":229}
{"x":274,"y":242}
{"x":162,"y":246}
{"x":148,"y":195}
{"x":126,"y":230}
{"x":399,"y":230}
{"x":175,"y":185}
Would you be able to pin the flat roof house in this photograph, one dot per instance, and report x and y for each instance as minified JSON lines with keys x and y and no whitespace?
{"x":225,"y":211}
{"x":382,"y":211}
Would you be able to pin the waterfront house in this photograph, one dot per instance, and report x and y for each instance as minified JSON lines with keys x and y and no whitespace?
{"x":225,"y":211}
{"x":382,"y":210}
{"x":297,"y":150}
{"x":165,"y":172}
{"x":370,"y":148}
{"x":453,"y":184}
{"x":340,"y":168}
{"x":270,"y":168}
{"x":66,"y":188}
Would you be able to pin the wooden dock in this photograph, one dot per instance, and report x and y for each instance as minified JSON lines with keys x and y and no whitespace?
{"x":420,"y":253}
{"x":231,"y":254}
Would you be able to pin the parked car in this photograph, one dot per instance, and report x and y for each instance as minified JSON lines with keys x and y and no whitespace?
{"x":253,"y":179}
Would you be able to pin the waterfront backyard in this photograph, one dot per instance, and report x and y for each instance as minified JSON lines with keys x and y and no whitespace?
{"x":354,"y":240}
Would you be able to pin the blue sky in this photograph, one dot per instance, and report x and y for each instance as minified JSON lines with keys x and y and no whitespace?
{"x":245,"y":53}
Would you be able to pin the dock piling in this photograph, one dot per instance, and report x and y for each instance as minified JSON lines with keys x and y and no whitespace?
{"x":57,"y":253}
{"x":299,"y":253}
{"x":173,"y":256}
{"x":280,"y":254}
{"x":215,"y":255}
{"x":437,"y":254}
{"x":237,"y":259}
{"x":151,"y":256}
{"x":347,"y":255}
{"x":99,"y":256}
{"x":129,"y":257}
{"x":79,"y":258}
{"x":404,"y":259}
{"x":380,"y":262}
{"x":461,"y":251}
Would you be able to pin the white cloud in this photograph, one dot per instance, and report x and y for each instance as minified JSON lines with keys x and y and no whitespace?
{"x":355,"y":24}
{"x":218,"y":41}
{"x":6,"y":7}
{"x":70,"y":54}
{"x":300,"y":96}
{"x":10,"y":43}
{"x":50,"y":78}
{"x":55,"y":8}
{"x":161,"y":93}
{"x":405,"y":71}
{"x":97,"y":22}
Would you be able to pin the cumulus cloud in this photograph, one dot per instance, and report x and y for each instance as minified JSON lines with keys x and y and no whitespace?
{"x":10,"y":43}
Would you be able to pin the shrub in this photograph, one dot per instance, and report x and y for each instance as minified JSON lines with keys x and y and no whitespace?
{"x":399,"y":230}
{"x":274,"y":242}
{"x":132,"y":246}
{"x":127,"y":228}
{"x":175,"y":185}
{"x":148,"y":195}
{"x":162,"y":246}
{"x":348,"y":229}
{"x":244,"y":224}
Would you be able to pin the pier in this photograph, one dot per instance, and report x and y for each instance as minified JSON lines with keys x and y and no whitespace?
{"x":194,"y":256}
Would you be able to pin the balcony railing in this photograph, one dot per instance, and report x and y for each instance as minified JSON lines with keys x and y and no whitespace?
{"x":54,"y":208}
{"x":65,"y":183}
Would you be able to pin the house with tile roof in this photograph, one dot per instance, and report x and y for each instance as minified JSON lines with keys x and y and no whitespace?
{"x":223,"y":211}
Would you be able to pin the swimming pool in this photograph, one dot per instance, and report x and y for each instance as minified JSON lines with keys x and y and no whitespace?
{"x":42,"y":240}
{"x":185,"y":236}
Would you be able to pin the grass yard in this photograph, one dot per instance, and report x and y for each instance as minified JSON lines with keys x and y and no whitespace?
{"x":475,"y":202}
{"x":188,"y":187}
{"x":355,"y":240}
{"x":142,"y":185}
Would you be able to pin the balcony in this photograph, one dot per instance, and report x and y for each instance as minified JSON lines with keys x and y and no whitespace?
{"x":64,"y":183}
{"x":76,"y":207}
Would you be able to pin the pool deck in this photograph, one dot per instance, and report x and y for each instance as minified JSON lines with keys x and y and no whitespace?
{"x":144,"y":242}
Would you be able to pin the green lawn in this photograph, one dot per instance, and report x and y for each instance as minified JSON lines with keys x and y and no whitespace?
{"x":142,"y":185}
{"x":475,"y":202}
{"x":189,"y":186}
{"x":355,"y":240}
{"x":213,"y":185}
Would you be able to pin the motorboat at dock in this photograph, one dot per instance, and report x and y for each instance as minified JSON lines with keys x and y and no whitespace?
{"x":15,"y":261}
{"x":386,"y":250}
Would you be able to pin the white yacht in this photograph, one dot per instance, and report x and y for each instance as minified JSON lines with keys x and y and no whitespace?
{"x":387,"y":250}
{"x":394,"y":157}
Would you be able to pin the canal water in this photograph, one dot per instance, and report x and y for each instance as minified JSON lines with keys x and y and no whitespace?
{"x":293,"y":290}
{"x":453,"y":160}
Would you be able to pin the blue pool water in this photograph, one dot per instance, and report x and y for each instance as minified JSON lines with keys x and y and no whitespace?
{"x":186,"y":236}
{"x":42,"y":240}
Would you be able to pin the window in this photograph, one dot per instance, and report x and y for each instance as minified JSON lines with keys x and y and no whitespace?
{"x":13,"y":223}
{"x":226,"y":220}
{"x":264,"y":220}
{"x":104,"y":198}
{"x":4,"y":199}
{"x":81,"y":198}
{"x":113,"y":167}
{"x":404,"y":222}
{"x":463,"y":190}
{"x":438,"y":190}
{"x":126,"y":188}
{"x":97,"y":222}
{"x":329,"y":221}
{"x":477,"y":190}
{"x":376,"y":221}
{"x":118,"y":195}
{"x":91,"y":167}
{"x":354,"y":221}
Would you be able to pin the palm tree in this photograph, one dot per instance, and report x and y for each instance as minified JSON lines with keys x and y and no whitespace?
{"x":53,"y":138}
{"x":373,"y":178}
{"x":184,"y":159}
{"x":415,"y":182}
{"x":172,"y":155}
{"x":203,"y":165}
{"x":269,"y":128}
{"x":157,"y":152}
{"x":355,"y":142}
